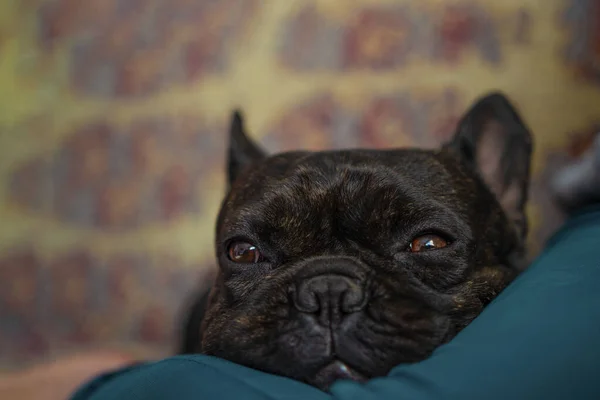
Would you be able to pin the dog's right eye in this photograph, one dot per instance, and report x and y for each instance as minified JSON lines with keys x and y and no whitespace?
{"x":427,"y":243}
{"x":243,"y":253}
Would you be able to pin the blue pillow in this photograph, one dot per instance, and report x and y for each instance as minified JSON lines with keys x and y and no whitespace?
{"x":540,"y":339}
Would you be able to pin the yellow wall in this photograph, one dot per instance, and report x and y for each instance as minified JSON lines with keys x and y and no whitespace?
{"x":42,"y":107}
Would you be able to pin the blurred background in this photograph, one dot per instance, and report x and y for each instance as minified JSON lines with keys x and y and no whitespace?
{"x":113,"y":118}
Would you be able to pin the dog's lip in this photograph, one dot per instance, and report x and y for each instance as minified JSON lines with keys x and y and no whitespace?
{"x":338,"y":369}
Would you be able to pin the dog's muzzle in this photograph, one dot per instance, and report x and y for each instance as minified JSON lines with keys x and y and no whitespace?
{"x":329,"y":289}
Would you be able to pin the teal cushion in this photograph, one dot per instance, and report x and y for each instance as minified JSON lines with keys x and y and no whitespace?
{"x":540,"y":339}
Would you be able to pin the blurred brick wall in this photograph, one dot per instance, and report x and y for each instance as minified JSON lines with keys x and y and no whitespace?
{"x":113,"y":116}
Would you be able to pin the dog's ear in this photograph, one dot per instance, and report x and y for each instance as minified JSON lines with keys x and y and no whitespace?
{"x":493,"y":139}
{"x":242,"y":150}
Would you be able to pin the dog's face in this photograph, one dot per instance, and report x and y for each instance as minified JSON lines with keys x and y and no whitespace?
{"x":344,"y":264}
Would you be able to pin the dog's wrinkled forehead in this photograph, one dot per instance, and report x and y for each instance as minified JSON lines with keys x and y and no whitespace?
{"x":480,"y":177}
{"x":301,"y":192}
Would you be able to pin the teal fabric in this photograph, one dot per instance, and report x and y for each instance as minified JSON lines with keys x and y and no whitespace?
{"x":540,"y":339}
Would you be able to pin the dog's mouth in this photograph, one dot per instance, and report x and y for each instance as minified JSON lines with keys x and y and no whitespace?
{"x":336,"y":370}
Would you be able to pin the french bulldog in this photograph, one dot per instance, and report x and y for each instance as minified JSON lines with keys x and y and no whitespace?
{"x":344,"y":264}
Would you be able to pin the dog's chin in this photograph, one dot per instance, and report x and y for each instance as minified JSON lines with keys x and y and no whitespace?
{"x":334,"y":371}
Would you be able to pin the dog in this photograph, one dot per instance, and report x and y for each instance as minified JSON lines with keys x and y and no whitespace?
{"x":344,"y":264}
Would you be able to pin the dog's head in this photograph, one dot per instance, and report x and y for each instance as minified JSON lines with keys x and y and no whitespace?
{"x":344,"y":264}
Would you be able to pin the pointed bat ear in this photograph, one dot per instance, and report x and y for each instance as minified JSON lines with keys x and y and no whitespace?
{"x":242,"y":150}
{"x":493,"y":139}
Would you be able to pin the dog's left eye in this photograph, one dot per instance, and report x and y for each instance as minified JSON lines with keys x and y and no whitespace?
{"x":427,"y":242}
{"x":243,"y":253}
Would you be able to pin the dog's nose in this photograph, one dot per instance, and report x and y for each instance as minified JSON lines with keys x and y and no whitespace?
{"x":330,"y":297}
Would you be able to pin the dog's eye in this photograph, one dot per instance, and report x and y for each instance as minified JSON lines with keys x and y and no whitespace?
{"x":243,"y":253}
{"x":427,"y":242}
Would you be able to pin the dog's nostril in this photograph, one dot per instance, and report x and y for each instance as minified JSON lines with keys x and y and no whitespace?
{"x":330,"y":294}
{"x":353,"y":298}
{"x":305,"y":298}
